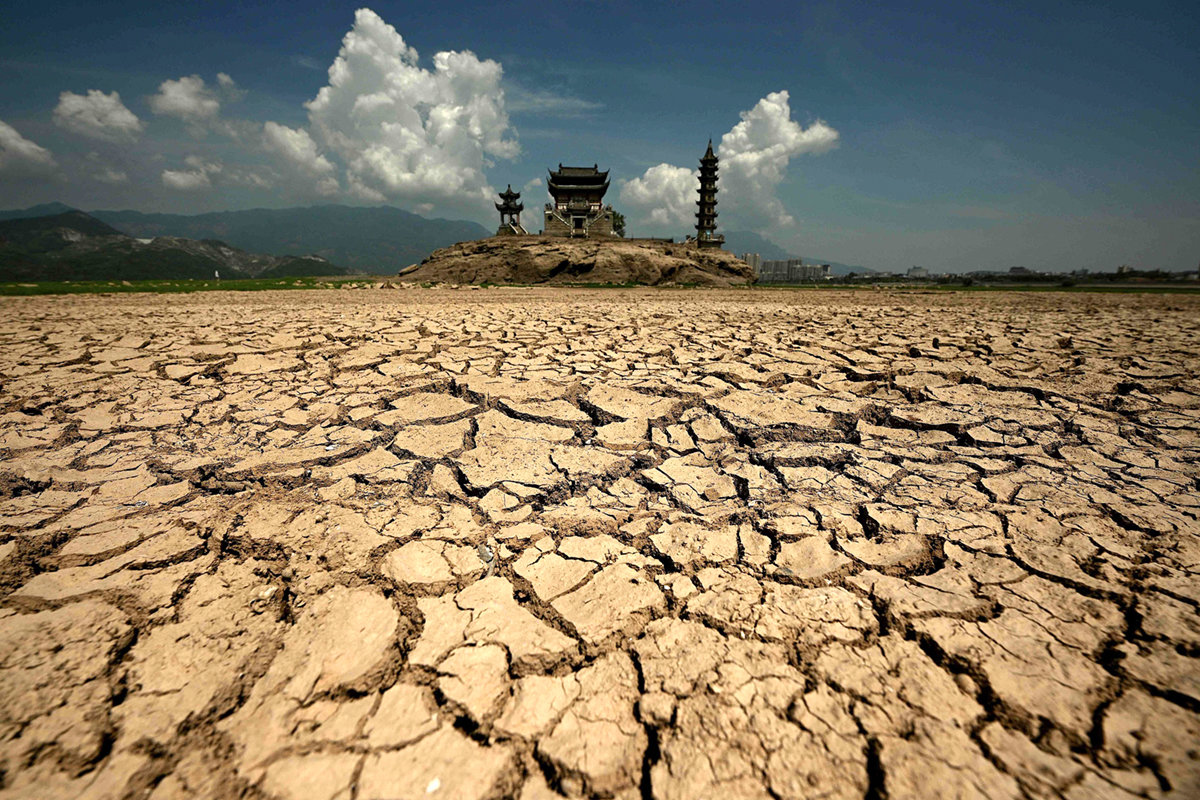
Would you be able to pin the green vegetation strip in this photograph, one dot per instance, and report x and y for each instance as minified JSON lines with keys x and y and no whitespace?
{"x":276,"y":284}
{"x":177,"y":286}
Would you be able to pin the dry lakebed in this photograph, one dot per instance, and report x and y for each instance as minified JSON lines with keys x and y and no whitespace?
{"x":542,"y":543}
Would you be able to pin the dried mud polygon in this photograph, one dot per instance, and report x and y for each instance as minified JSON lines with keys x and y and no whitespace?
{"x":544,"y":543}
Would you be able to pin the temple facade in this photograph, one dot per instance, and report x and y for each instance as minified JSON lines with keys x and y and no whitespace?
{"x":577,"y":203}
{"x":510,"y":213}
{"x":706,"y":214}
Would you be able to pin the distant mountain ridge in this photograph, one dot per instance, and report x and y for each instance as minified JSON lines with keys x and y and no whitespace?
{"x":740,"y":242}
{"x":76,"y":246}
{"x":380,"y":239}
{"x":43,"y":210}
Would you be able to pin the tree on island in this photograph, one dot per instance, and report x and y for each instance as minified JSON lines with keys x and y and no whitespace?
{"x":618,"y":223}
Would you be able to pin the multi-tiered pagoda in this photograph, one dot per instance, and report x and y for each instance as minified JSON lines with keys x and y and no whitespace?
{"x":577,"y":207}
{"x":706,"y":216}
{"x":510,"y":213}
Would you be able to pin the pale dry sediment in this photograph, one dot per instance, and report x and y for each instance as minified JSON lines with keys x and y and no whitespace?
{"x":542,"y":543}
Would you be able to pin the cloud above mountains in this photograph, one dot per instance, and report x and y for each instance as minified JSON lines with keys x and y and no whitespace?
{"x":409,"y":133}
{"x":754,"y":158}
{"x":196,"y":103}
{"x":198,"y":177}
{"x":21,"y":158}
{"x":665,"y":194}
{"x":296,"y":146}
{"x":298,"y":150}
{"x":97,"y":115}
{"x":187,"y":98}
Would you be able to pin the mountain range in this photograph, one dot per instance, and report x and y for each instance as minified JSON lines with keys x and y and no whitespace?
{"x":379,"y":239}
{"x":74,"y":246}
{"x":43,"y":210}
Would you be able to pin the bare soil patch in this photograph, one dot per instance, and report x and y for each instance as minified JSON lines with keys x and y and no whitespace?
{"x":596,"y":544}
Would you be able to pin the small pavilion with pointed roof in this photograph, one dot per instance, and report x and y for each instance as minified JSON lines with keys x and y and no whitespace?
{"x":510,"y":213}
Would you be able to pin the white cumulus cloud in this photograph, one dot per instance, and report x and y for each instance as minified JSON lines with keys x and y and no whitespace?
{"x":665,"y":194}
{"x":186,"y":180}
{"x":755,"y":155}
{"x":407,"y":132}
{"x":194,"y":179}
{"x":97,"y":115}
{"x":196,"y":162}
{"x":21,"y":158}
{"x":297,"y":147}
{"x":188,"y":99}
{"x":754,"y":158}
{"x":249,"y":177}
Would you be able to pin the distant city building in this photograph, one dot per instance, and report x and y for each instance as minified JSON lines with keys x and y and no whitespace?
{"x":577,"y":207}
{"x":706,"y":215}
{"x":1020,"y":271}
{"x":917,"y":272}
{"x":510,"y":214}
{"x":771,"y":271}
{"x":815,"y":272}
{"x":754,"y":260}
{"x":793,"y":270}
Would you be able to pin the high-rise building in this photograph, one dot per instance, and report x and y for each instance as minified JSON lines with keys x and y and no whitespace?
{"x":793,"y":270}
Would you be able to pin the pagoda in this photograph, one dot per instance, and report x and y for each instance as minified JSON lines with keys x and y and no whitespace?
{"x":510,"y":213}
{"x":706,"y":216}
{"x":577,"y":202}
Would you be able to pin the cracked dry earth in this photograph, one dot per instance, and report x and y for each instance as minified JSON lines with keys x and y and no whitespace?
{"x":539,"y":543}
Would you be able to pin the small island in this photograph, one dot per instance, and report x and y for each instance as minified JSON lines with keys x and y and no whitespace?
{"x":582,"y":242}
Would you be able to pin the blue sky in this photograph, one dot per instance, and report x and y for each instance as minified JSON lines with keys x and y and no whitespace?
{"x":950,"y":135}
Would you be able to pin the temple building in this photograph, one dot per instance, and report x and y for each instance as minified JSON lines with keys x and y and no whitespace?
{"x":510,"y":214}
{"x":706,"y":216}
{"x":577,"y":207}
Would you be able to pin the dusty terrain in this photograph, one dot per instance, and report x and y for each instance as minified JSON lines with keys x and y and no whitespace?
{"x":550,"y":260}
{"x":673,"y":544}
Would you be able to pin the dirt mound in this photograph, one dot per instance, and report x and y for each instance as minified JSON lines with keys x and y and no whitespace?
{"x":537,"y":259}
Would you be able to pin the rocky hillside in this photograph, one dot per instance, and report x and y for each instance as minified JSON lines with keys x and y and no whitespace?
{"x":535,"y":259}
{"x":76,"y":246}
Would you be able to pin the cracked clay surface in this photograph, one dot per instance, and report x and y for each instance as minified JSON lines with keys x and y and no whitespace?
{"x":608,"y":544}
